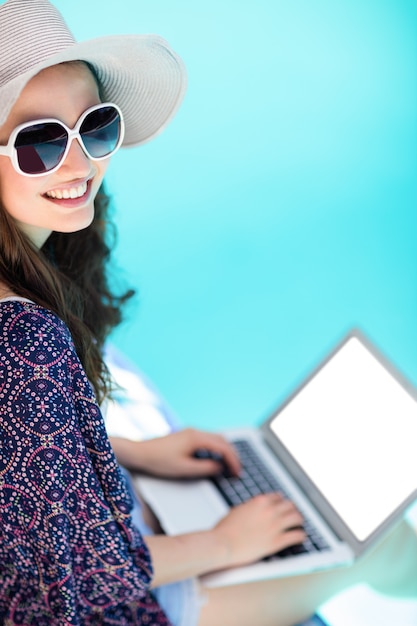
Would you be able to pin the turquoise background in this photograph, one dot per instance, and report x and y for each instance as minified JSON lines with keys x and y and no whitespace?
{"x":279,"y":208}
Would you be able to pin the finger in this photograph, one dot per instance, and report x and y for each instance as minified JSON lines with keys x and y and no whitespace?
{"x":287,"y":510}
{"x":219,"y":445}
{"x":286,"y":505}
{"x":276,"y":496}
{"x":291,"y":521}
{"x":271,"y":502}
{"x":202,"y":467}
{"x":229,"y":455}
{"x":291,"y":538}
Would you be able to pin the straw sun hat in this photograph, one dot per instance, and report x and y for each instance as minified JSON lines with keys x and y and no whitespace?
{"x":140,"y":73}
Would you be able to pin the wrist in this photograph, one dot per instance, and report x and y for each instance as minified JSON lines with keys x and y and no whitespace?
{"x":182,"y":556}
{"x":131,"y":454}
{"x":222,"y":547}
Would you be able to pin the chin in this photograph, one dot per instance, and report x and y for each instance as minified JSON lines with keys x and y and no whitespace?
{"x":76,"y":222}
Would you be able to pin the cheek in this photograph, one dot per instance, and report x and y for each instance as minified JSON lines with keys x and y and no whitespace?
{"x":10,"y":187}
{"x":17,"y":192}
{"x":102,"y":168}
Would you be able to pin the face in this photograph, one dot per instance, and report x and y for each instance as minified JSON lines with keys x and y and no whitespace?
{"x":64,"y":200}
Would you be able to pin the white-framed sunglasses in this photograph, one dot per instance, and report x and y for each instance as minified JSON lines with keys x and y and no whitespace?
{"x":39,"y":147}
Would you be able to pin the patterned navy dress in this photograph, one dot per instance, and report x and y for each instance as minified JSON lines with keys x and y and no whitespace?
{"x":69,"y":553}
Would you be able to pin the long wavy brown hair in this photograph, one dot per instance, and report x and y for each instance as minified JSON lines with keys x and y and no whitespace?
{"x":69,"y":276}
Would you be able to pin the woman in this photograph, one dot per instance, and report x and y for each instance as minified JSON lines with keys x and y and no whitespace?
{"x":70,"y":551}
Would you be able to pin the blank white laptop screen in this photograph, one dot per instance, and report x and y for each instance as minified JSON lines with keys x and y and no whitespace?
{"x":366,"y":466}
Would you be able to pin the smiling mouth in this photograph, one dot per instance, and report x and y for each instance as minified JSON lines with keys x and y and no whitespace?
{"x":70,"y":193}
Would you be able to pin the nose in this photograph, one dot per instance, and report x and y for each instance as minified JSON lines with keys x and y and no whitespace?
{"x":76,"y":161}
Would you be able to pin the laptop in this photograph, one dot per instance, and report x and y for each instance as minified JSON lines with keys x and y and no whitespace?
{"x":342,"y":447}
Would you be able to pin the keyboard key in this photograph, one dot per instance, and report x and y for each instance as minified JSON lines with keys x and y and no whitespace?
{"x":255,"y":479}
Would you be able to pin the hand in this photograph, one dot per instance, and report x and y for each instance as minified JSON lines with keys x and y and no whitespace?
{"x":258,"y":528}
{"x":173,"y":455}
{"x":249,"y":532}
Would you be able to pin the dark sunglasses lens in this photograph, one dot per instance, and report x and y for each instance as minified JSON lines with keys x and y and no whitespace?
{"x":100,"y":132}
{"x":40,"y":147}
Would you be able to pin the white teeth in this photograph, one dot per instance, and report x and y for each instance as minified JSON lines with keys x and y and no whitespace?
{"x":73,"y":192}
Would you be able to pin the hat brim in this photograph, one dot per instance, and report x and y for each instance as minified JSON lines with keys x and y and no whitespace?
{"x":139,"y":73}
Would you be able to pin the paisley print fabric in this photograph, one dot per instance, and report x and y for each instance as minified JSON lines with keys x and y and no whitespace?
{"x":69,"y":553}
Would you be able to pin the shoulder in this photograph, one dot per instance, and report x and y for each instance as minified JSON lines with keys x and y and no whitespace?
{"x":40,"y":373}
{"x":6,"y":292}
{"x":29,"y":331}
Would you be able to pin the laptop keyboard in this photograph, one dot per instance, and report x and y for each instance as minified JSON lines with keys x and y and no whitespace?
{"x":254,"y":479}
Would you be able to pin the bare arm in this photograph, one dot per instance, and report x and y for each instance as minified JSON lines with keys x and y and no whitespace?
{"x":265,"y":525}
{"x":172,"y":455}
{"x":183,"y":556}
